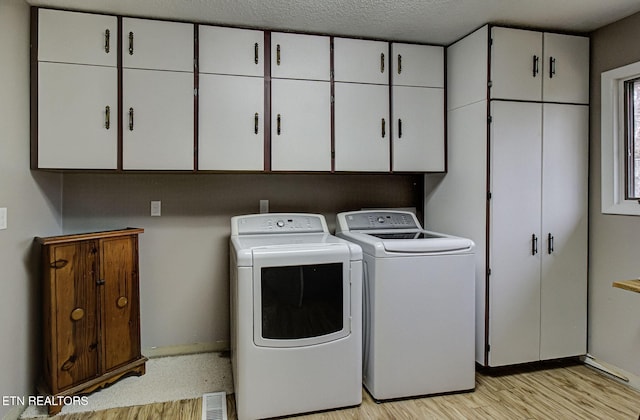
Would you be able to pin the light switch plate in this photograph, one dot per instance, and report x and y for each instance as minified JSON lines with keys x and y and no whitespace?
{"x":156,"y":208}
{"x":3,"y":218}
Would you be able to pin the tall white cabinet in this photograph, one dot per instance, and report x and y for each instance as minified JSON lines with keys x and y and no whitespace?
{"x":517,"y":185}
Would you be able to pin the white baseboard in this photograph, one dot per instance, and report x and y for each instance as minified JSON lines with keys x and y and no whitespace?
{"x":179,"y":350}
{"x":619,"y":375}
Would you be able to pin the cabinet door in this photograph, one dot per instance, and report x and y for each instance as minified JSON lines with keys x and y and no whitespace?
{"x":360,"y":61}
{"x":158,"y":130}
{"x":231,"y":123}
{"x":566,"y":76}
{"x":418,"y":129}
{"x":295,"y":56}
{"x":564,"y":226}
{"x":517,"y":66}
{"x":300,"y":125}
{"x":417,"y":65}
{"x":73,"y":275}
{"x":362,"y":127}
{"x":231,"y":51}
{"x":77,"y":116}
{"x":157,"y":45}
{"x":80,"y":38}
{"x":514,"y":285}
{"x":119,"y":303}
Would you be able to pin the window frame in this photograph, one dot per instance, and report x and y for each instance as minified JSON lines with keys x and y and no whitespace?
{"x":614,"y":163}
{"x":630,"y":86}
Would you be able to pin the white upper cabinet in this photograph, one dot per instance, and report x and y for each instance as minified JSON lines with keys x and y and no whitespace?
{"x":361,"y":61}
{"x":231,"y":51}
{"x":158,"y":132}
{"x":231,"y":121}
{"x":418,"y":129}
{"x":362,"y":127}
{"x":417,"y":96}
{"x":516,"y":64}
{"x":77,"y":116}
{"x":536,"y":66}
{"x":157,"y":45}
{"x":79,"y":38}
{"x":566,"y":77}
{"x":77,"y":98}
{"x":417,"y":65}
{"x":295,"y":56}
{"x":157,"y":95}
{"x":300,"y":125}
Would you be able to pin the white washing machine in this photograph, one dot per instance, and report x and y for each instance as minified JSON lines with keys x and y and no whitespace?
{"x":296,"y":316}
{"x":419,"y":300}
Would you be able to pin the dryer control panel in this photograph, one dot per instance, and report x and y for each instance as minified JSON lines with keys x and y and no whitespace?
{"x":270,"y":223}
{"x":381,"y":219}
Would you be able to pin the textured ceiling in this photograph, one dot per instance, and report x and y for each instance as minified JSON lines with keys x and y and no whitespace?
{"x":427,"y":21}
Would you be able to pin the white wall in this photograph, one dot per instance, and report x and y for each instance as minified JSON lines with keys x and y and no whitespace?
{"x":184,"y":254}
{"x":614,"y":241}
{"x":33,"y":202}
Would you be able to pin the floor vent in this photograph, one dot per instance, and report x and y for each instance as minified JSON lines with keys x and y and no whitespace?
{"x":214,"y":406}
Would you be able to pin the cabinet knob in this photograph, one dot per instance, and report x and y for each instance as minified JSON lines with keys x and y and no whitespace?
{"x":278,"y":119}
{"x":399,"y":63}
{"x":384,"y":131}
{"x":278,"y":54}
{"x":122,"y":302}
{"x":107,"y":117}
{"x":77,"y":314}
{"x":552,"y":67}
{"x":256,"y":120}
{"x":255,"y":53}
{"x":381,"y":62}
{"x":536,"y":65}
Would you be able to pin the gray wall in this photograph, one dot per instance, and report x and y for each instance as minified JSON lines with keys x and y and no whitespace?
{"x":33,"y":202}
{"x":614,"y":248}
{"x":184,"y":254}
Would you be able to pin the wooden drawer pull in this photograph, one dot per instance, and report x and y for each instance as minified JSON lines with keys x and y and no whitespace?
{"x":122,"y":302}
{"x":77,"y":314}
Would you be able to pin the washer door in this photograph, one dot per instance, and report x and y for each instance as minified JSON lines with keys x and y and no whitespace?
{"x":301,"y":295}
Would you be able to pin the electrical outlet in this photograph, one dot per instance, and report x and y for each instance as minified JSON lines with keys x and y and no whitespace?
{"x":3,"y":218}
{"x":264,"y":206}
{"x":156,"y":208}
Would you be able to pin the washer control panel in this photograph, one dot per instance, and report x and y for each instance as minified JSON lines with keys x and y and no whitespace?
{"x":270,"y":223}
{"x":363,"y":220}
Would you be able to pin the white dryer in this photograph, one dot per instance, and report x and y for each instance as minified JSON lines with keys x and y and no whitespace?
{"x":419,"y":300}
{"x":296,"y":316}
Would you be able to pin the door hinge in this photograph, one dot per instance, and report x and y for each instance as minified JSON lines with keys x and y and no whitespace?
{"x":488,"y":195}
{"x":195,"y":92}
{"x":488,"y":348}
{"x":489,"y":119}
{"x":488,"y":271}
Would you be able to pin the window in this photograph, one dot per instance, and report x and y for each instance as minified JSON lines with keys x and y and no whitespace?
{"x":632,"y":137}
{"x":620,"y":140}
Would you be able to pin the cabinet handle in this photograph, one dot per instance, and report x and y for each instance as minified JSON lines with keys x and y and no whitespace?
{"x":100,"y":282}
{"x":550,"y":243}
{"x":278,"y":124}
{"x":552,"y":67}
{"x":255,"y":53}
{"x":130,"y":119}
{"x":278,"y":54}
{"x":77,"y":314}
{"x":255,"y":123}
{"x":384,"y":130}
{"x":107,"y":35}
{"x":122,"y":302}
{"x":534,"y":244}
{"x":130,"y":43}
{"x":536,"y":65}
{"x":399,"y":128}
{"x":107,"y":117}
{"x":381,"y":62}
{"x":399,"y":64}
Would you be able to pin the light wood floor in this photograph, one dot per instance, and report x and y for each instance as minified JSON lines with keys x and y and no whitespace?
{"x":551,"y":391}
